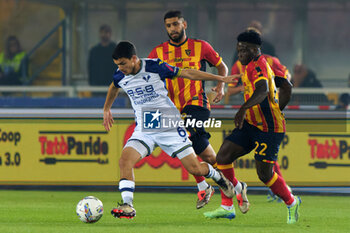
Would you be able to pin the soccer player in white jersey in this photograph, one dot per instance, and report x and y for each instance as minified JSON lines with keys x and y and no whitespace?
{"x":143,"y":81}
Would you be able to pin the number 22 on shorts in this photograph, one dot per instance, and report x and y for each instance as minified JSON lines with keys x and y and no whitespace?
{"x":262,"y":150}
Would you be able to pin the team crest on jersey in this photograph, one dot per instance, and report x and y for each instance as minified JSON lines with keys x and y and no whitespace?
{"x":146,"y":78}
{"x":188,"y":52}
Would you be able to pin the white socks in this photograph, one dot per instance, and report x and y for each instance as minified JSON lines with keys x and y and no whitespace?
{"x":294,"y":202}
{"x":238,"y":188}
{"x":203,"y":185}
{"x":126,"y":188}
{"x":213,"y":173}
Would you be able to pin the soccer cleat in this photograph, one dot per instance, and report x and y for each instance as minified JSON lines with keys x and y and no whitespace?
{"x":293,"y":211}
{"x":225,"y":185}
{"x":221,"y":213}
{"x":243,"y":203}
{"x":124,"y":211}
{"x":204,"y":196}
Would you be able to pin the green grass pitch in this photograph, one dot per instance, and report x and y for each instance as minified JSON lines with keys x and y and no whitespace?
{"x":46,"y":211}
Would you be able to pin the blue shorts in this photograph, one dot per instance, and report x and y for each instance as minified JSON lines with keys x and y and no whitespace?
{"x":198,"y":136}
{"x":265,"y":144}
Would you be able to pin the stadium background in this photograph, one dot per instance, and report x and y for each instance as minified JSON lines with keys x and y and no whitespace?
{"x":57,"y":119}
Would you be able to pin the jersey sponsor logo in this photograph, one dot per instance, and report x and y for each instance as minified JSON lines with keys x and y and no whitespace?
{"x":141,"y":95}
{"x":178,"y":59}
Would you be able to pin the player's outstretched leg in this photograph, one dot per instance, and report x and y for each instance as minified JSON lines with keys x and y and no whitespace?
{"x":227,"y":210}
{"x":240,"y":188}
{"x":270,"y":195}
{"x":205,"y":191}
{"x":193,"y":166}
{"x":278,"y":186}
{"x":127,"y":161}
{"x":207,"y":154}
{"x":229,"y":152}
{"x":225,"y":185}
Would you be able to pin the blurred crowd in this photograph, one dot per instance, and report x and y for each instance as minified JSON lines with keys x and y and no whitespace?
{"x":14,"y":68}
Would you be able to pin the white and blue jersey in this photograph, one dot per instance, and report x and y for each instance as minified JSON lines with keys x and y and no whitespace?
{"x":147,"y":90}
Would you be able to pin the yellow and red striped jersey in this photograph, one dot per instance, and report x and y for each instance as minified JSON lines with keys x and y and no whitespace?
{"x":191,"y":54}
{"x":278,"y":69}
{"x":267,"y":115}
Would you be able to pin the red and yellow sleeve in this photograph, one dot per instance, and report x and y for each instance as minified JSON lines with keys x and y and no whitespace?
{"x":209,"y":54}
{"x":279,"y":69}
{"x":258,"y":72}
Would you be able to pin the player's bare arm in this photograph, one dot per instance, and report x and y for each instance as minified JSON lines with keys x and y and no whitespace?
{"x":219,"y":89}
{"x":200,"y":75}
{"x":107,"y":114}
{"x":285,"y":93}
{"x":260,"y":93}
{"x":235,"y":90}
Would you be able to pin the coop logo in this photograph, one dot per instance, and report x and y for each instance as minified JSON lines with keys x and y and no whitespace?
{"x":10,"y":136}
{"x":329,"y":150}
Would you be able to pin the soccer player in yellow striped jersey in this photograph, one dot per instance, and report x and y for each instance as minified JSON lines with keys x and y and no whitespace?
{"x":188,"y":95}
{"x":260,"y":126}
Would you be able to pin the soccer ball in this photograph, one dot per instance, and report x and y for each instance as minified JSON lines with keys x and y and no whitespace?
{"x":89,"y":209}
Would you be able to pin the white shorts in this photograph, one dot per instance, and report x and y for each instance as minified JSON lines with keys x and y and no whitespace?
{"x":171,"y":142}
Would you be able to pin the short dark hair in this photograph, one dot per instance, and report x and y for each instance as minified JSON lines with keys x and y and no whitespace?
{"x":251,"y":37}
{"x":172,"y":14}
{"x":106,"y":28}
{"x":124,"y":49}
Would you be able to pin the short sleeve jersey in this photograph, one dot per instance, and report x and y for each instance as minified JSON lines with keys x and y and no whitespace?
{"x":147,"y":87}
{"x":191,"y":54}
{"x":278,"y":69}
{"x":267,"y":115}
